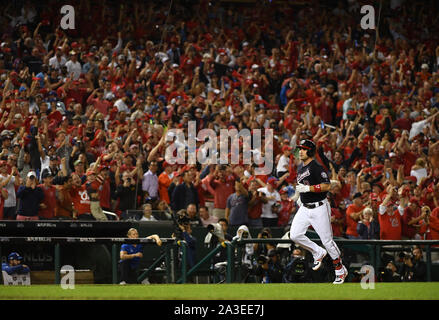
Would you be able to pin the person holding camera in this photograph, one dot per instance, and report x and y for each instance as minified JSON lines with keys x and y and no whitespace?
{"x":297,"y":269}
{"x":389,"y":273}
{"x":248,"y":253}
{"x":30,"y":196}
{"x":268,"y":268}
{"x":184,"y":232}
{"x":413,"y":268}
{"x":429,"y":224}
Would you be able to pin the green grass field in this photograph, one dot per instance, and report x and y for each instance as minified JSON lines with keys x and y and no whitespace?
{"x":314,"y":291}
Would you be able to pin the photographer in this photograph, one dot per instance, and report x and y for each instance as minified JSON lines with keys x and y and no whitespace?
{"x":429,"y":224}
{"x":297,"y":270}
{"x":248,"y":252}
{"x":263,"y":248}
{"x":215,"y":235}
{"x":389,"y":273}
{"x":183,"y":231}
{"x":269,"y":268}
{"x":407,"y":269}
{"x":414,"y":268}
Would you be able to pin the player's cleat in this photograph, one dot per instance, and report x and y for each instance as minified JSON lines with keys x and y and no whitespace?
{"x":340,"y":278}
{"x":318,"y":262}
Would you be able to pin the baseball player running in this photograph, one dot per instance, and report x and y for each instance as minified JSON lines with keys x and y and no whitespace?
{"x":314,"y":209}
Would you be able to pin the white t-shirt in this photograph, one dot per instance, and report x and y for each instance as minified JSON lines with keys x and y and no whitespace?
{"x":11,"y":201}
{"x":266,"y":207}
{"x":74,"y":69}
{"x":283,"y":164}
{"x":148,"y":219}
{"x":56,"y":64}
{"x":419,"y":174}
{"x":44,"y":164}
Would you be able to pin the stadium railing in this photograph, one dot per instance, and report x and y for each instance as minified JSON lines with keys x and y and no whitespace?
{"x":234,"y":250}
{"x":377,"y":245}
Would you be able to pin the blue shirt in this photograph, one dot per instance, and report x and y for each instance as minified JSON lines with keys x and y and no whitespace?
{"x":19,"y":269}
{"x":131,"y":249}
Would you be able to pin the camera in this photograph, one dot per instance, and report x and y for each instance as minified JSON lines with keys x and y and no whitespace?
{"x":265,"y":234}
{"x":262,"y":259}
{"x":297,"y":271}
{"x":179,"y":219}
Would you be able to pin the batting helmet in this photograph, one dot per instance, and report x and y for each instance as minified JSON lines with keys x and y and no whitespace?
{"x":309,"y":146}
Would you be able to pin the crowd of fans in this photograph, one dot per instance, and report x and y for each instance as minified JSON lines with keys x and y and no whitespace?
{"x":85,"y":112}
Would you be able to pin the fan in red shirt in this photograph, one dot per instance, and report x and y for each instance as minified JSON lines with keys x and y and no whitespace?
{"x":80,"y":199}
{"x":48,"y":207}
{"x":286,"y":208}
{"x":353,"y":214}
{"x":412,"y":215}
{"x":429,"y":225}
{"x":390,"y":217}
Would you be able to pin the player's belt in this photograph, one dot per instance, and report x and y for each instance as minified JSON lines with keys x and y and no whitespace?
{"x":313,"y":205}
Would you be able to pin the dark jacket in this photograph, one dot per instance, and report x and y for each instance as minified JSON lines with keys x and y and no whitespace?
{"x":182,"y":196}
{"x":30,"y":200}
{"x":369,"y":232}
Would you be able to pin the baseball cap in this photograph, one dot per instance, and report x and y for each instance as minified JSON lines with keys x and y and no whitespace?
{"x":357,"y":195}
{"x":46,"y":174}
{"x":90,"y":172}
{"x":31,"y":174}
{"x":272,"y":181}
{"x":13,"y":256}
{"x":285,"y":148}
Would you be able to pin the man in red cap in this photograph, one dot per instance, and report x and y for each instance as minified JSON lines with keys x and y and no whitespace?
{"x":284,"y":161}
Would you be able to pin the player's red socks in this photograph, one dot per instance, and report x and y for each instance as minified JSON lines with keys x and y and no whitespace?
{"x":337,"y":264}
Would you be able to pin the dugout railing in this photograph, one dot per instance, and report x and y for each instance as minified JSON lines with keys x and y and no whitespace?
{"x":173,"y":254}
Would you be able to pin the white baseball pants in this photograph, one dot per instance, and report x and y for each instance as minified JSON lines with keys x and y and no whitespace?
{"x":320,"y":219}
